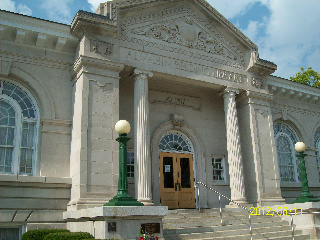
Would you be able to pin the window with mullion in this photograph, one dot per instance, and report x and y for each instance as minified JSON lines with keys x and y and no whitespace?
{"x":7,"y":132}
{"x":18,"y":130}
{"x":218,"y":169}
{"x":288,"y":163}
{"x":27,"y":148}
{"x":130,"y":164}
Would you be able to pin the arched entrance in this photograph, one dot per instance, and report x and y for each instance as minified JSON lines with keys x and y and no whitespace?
{"x":176,"y":171}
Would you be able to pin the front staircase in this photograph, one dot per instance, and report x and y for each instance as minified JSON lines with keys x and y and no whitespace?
{"x":192,"y":224}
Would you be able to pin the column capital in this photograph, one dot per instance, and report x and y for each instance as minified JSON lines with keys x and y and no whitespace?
{"x":229,"y":90}
{"x":138,"y":72}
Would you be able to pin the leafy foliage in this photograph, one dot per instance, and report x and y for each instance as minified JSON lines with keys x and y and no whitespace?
{"x":308,"y":77}
{"x":39,"y":234}
{"x":68,"y":236}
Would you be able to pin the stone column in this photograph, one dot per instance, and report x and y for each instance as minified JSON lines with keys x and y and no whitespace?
{"x":142,"y":170}
{"x":234,"y":147}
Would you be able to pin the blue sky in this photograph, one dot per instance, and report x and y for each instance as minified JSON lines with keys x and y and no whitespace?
{"x":287,"y":32}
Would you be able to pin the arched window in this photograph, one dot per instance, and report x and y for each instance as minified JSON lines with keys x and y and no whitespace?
{"x":175,"y":142}
{"x":317,"y":145}
{"x":286,"y":138}
{"x":18,"y":130}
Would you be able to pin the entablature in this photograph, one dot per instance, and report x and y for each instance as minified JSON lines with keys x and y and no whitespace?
{"x":284,"y":88}
{"x":35,"y":32}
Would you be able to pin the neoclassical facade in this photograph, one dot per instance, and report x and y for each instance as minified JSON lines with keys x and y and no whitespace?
{"x":203,"y":107}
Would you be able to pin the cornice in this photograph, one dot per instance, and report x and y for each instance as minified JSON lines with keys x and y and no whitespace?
{"x":85,"y":19}
{"x":105,"y":64}
{"x":213,"y":11}
{"x":287,"y":89}
{"x":261,"y":66}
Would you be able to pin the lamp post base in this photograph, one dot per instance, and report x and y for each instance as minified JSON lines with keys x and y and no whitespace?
{"x":307,"y":197}
{"x":120,"y":200}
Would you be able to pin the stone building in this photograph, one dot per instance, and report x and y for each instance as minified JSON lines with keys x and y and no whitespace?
{"x":202,"y":106}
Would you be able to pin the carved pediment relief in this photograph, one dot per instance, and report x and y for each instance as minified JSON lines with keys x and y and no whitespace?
{"x":187,"y":33}
{"x":179,"y":29}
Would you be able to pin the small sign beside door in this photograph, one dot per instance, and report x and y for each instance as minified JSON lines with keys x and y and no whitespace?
{"x":167,"y":168}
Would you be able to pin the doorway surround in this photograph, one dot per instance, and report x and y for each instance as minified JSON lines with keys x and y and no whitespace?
{"x":198,"y":157}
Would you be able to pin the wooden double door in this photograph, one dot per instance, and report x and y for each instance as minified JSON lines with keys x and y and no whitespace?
{"x":176,"y":180}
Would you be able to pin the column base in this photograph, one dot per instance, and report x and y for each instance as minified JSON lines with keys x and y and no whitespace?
{"x":242,"y":201}
{"x":306,"y":197}
{"x":271,"y":201}
{"x":146,"y":202}
{"x":125,"y":200}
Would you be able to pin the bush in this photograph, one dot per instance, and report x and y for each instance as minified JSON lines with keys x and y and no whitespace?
{"x":68,"y":236}
{"x":39,"y":234}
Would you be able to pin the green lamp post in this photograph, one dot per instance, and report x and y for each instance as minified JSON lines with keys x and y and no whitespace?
{"x":123,"y":198}
{"x":305,"y":196}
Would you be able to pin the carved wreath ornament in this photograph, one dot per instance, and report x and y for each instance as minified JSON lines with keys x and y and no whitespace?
{"x":185,"y":33}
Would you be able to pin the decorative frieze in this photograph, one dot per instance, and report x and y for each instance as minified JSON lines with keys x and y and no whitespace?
{"x":183,"y":65}
{"x":174,"y":99}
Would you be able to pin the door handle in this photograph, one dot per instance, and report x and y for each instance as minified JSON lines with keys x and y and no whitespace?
{"x":179,"y":186}
{"x":175,"y":186}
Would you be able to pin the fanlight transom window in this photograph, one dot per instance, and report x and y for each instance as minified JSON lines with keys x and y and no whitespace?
{"x":18,"y":130}
{"x":286,"y":138}
{"x":175,"y":142}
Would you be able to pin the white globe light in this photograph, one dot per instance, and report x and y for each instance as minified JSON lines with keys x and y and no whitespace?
{"x":300,"y":147}
{"x":122,"y":126}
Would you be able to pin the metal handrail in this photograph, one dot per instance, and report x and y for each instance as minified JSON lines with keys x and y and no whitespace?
{"x":230,"y":200}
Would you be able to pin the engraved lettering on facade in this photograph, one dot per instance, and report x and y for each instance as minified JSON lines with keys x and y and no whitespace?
{"x":174,"y":99}
{"x":100,"y":47}
{"x":185,"y":66}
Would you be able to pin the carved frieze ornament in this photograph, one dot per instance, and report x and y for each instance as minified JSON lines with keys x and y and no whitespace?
{"x":100,"y":47}
{"x":187,"y":33}
{"x":177,"y":120}
{"x":257,"y":82}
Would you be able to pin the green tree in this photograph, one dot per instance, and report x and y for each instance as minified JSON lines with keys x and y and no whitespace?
{"x":308,"y":77}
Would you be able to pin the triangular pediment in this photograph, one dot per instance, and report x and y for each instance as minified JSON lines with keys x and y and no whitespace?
{"x":184,"y":28}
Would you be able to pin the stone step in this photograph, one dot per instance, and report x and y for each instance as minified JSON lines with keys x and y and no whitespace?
{"x":199,"y":229}
{"x":228,"y":212}
{"x":246,"y":236}
{"x":192,"y":224}
{"x":172,"y":218}
{"x":296,"y":237}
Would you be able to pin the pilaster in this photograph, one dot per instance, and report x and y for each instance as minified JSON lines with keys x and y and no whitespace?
{"x":259,"y":150}
{"x":142,"y":137}
{"x":94,"y":151}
